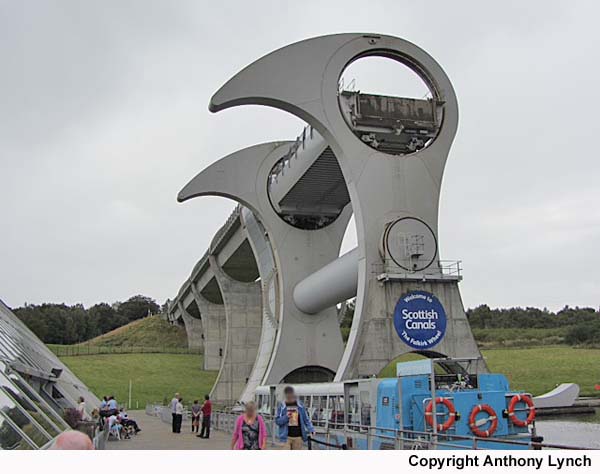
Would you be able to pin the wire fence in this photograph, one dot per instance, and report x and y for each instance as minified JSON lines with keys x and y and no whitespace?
{"x":88,"y":349}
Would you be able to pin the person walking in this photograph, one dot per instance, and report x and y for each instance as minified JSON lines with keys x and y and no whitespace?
{"x":206,"y":413}
{"x":250,"y":431}
{"x":196,"y":410}
{"x":178,"y":415}
{"x":293,"y":421}
{"x":173,"y":406}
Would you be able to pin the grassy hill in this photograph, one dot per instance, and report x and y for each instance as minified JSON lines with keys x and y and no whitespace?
{"x":106,"y":367}
{"x":147,"y":332}
{"x":154,"y":377}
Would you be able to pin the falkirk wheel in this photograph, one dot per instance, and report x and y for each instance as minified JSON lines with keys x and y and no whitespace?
{"x":378,"y":157}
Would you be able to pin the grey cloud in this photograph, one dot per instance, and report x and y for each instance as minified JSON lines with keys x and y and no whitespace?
{"x":103,"y":118}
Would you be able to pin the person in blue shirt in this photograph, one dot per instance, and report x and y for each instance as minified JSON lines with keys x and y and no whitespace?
{"x":112,"y":406}
{"x":293,"y":421}
{"x":104,"y":411}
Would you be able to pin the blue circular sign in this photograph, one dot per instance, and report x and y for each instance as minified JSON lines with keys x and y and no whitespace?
{"x":420,"y":319}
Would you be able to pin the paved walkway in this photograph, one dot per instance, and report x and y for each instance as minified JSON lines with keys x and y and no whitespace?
{"x":157,"y":435}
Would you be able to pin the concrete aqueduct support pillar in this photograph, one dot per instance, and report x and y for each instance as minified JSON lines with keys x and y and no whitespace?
{"x":243,"y":313}
{"x":214,"y":328}
{"x":193,"y":329}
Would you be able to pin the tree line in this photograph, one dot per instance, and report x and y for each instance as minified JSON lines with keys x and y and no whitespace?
{"x":64,"y":324}
{"x":578,"y":326}
{"x":581,"y":325}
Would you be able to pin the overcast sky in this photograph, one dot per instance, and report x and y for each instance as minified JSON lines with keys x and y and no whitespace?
{"x":103,"y":119}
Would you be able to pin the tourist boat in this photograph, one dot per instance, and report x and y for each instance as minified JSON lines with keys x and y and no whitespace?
{"x":432,"y":403}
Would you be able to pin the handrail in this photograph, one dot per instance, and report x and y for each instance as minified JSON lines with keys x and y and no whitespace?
{"x":225,"y":421}
{"x":444,"y":269}
{"x":312,"y":440}
{"x":278,"y":170}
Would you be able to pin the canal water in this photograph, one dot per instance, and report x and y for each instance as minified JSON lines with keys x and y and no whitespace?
{"x":572,"y":430}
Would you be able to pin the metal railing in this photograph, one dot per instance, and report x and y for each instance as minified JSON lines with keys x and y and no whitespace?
{"x":225,"y":227}
{"x":90,"y":349}
{"x":339,"y":436}
{"x":441,"y":269}
{"x":279,"y":169}
{"x":164,"y":412}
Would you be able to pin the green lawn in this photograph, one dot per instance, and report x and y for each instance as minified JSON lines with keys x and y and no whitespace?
{"x":538,"y":370}
{"x":157,"y":376}
{"x":154,"y":376}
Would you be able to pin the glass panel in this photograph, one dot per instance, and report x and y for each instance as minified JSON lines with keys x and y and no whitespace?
{"x":19,"y":390}
{"x":39,"y":403}
{"x":16,"y":344}
{"x":11,"y":438}
{"x":12,"y":411}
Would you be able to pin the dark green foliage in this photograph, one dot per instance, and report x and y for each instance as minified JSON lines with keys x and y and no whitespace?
{"x":62,"y":324}
{"x":137,"y":307}
{"x":346,"y":321}
{"x":524,"y":327}
{"x":486,"y":318}
{"x":584,"y":334}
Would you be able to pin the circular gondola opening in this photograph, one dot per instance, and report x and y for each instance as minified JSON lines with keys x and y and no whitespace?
{"x":388,"y":103}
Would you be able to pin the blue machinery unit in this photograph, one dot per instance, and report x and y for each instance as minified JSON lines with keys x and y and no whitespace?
{"x":471,"y":410}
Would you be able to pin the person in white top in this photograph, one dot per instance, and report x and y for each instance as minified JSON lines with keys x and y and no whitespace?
{"x":178,"y":415}
{"x":81,"y":410}
{"x":173,"y":408}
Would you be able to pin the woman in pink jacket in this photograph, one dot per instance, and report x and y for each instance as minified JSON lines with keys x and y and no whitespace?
{"x":250,"y":431}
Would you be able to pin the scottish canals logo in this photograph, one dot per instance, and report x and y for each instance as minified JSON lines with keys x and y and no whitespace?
{"x":420,"y":320}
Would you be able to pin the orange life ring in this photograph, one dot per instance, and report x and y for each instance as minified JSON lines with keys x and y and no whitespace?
{"x":530,"y":407}
{"x":451,"y":413}
{"x":492,"y":419}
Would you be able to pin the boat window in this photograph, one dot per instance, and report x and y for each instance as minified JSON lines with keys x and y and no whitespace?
{"x":336,"y":419}
{"x":365,"y":409}
{"x":353,"y":410}
{"x":319,"y":410}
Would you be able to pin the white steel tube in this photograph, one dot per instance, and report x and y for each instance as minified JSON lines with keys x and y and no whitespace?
{"x":332,"y":284}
